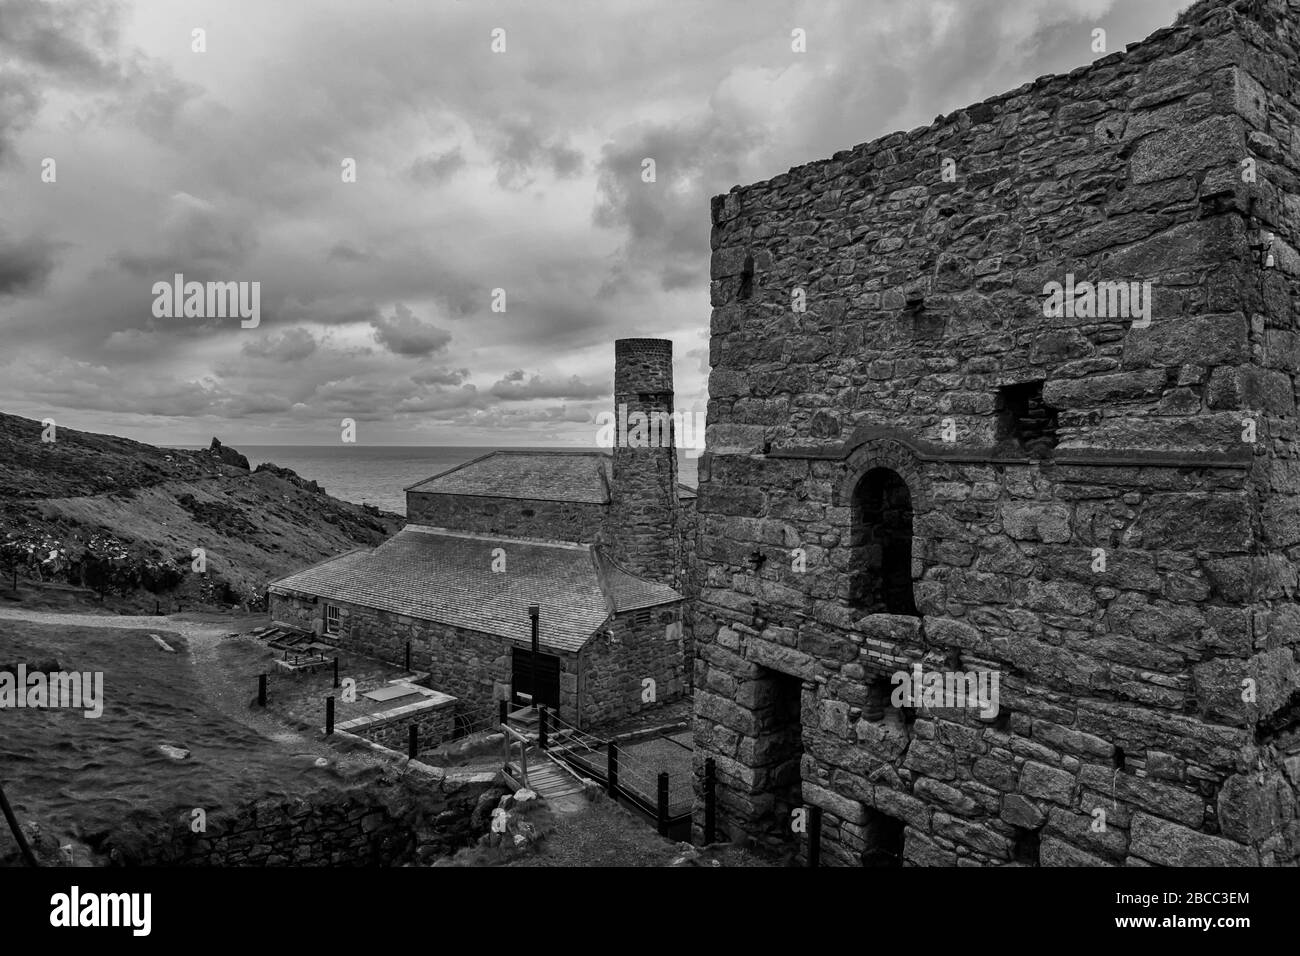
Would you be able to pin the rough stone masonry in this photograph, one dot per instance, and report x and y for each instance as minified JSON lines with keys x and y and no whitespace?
{"x":911,"y":463}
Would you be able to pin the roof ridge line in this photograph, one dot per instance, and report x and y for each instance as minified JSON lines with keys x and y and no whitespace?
{"x":441,"y":474}
{"x":598,"y":559}
{"x":319,"y":564}
{"x":481,"y":536}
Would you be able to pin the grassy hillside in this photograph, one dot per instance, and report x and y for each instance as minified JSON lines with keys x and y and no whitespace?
{"x":123,"y":517}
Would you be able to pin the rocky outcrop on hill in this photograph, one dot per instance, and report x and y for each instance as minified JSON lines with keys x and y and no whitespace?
{"x":228,"y":455}
{"x":121,"y":517}
{"x":291,"y":476}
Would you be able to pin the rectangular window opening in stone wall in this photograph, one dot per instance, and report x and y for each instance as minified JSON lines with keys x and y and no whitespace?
{"x":881,"y":545}
{"x":331,"y":619}
{"x":883,"y":836}
{"x":746,"y":279}
{"x":1026,"y":847}
{"x":1025,"y":422}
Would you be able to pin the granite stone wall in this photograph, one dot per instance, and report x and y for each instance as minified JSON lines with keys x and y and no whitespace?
{"x":378,"y":825}
{"x":602,"y":682}
{"x":433,"y":726}
{"x":471,"y":666}
{"x":646,"y":644}
{"x":1103,"y":509}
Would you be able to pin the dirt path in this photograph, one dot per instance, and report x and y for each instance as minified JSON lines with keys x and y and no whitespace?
{"x":199,"y":633}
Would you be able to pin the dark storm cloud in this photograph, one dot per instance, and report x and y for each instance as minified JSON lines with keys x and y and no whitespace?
{"x":345,"y":252}
{"x":437,"y":167}
{"x":520,"y":171}
{"x":667,"y":237}
{"x":292,"y":345}
{"x":195,"y":235}
{"x":524,"y":151}
{"x":515,"y":386}
{"x":404,"y":333}
{"x":75,"y":45}
{"x":25,"y":265}
{"x":341,"y":308}
{"x":66,"y":39}
{"x":440,"y":376}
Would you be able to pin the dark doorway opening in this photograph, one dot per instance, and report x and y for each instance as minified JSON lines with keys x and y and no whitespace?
{"x":884,"y":839}
{"x":882,"y":544}
{"x":534,"y":678}
{"x":778,"y":751}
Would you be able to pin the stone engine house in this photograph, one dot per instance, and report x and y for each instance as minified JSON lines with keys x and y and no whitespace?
{"x":914,"y":460}
{"x":593,"y":540}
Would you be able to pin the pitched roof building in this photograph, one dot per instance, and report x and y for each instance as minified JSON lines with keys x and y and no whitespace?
{"x":592,"y":540}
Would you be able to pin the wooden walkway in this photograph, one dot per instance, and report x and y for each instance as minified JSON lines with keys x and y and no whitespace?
{"x":546,"y":778}
{"x":534,"y":769}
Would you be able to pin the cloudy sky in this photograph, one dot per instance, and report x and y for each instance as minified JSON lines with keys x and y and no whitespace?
{"x":475,"y":170}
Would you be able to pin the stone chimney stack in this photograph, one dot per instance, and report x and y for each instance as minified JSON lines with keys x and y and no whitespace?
{"x":644,"y":509}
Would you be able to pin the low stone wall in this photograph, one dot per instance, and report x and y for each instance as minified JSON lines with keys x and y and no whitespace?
{"x":388,"y":822}
{"x":434,"y":720}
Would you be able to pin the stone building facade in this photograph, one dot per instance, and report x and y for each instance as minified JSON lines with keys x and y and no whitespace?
{"x":600,"y":680}
{"x":593,"y":540}
{"x":915,"y":460}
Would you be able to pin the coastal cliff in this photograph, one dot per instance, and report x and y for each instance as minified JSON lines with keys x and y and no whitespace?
{"x":130,"y":519}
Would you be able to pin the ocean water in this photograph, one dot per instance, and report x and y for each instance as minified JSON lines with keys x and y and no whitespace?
{"x":376,"y":474}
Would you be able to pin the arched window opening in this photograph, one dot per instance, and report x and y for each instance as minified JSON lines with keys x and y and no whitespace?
{"x":882,"y":544}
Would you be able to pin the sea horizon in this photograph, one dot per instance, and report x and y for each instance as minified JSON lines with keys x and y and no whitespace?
{"x":379,"y":474}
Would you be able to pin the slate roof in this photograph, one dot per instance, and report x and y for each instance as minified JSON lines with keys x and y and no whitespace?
{"x":580,"y":476}
{"x":446,"y":576}
{"x":540,"y":475}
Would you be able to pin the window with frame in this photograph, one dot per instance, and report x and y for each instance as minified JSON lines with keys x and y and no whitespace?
{"x":331,"y":619}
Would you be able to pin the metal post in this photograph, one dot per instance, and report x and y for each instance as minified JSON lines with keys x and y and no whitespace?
{"x":611,"y":771}
{"x":662,"y":806}
{"x":814,"y":836}
{"x":261,"y":690}
{"x":533,"y":611}
{"x":28,"y":855}
{"x":413,"y":742}
{"x":710,"y":801}
{"x":329,"y":716}
{"x":541,"y":726}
